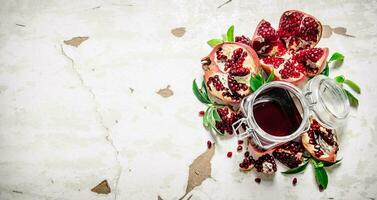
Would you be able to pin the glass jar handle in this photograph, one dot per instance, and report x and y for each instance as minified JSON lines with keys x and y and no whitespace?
{"x":237,"y":128}
{"x":309,"y":98}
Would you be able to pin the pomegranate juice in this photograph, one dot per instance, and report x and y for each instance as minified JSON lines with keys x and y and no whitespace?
{"x":276,"y":113}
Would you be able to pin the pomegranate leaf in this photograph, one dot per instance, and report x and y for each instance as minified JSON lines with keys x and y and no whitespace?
{"x":230,"y":34}
{"x":326,"y":71}
{"x":204,"y":89}
{"x":256,"y":82}
{"x":353,"y":86}
{"x":321,"y":177}
{"x":298,"y":169}
{"x":336,"y":57}
{"x":352,"y":99}
{"x":214,"y":42}
{"x":306,"y":154}
{"x":216,"y":115}
{"x":320,"y":173}
{"x":217,"y":131}
{"x":271,"y":76}
{"x":340,"y":79}
{"x":200,"y":95}
{"x":213,"y":120}
{"x":206,"y":117}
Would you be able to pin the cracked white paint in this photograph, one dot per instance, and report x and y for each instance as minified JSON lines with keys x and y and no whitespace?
{"x":100,"y":120}
{"x":67,"y":122}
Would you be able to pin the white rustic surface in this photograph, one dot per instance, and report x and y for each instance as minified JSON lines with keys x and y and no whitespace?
{"x":66,"y":125}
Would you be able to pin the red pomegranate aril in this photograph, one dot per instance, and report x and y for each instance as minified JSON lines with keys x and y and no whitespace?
{"x":273,"y":61}
{"x":240,"y":142}
{"x":201,"y":113}
{"x":228,"y":117}
{"x":239,"y":148}
{"x":266,"y":164}
{"x":320,"y":142}
{"x":294,"y":181}
{"x":243,"y":39}
{"x":290,"y":154}
{"x":247,"y":154}
{"x":290,"y":49}
{"x":257,"y":180}
{"x":242,"y":165}
{"x":209,"y":144}
{"x":229,"y":154}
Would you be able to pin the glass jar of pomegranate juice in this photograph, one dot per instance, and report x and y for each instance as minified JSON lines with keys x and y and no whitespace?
{"x":279,"y":112}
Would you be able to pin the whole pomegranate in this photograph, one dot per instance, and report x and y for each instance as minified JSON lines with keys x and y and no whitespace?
{"x":320,"y":142}
{"x":290,"y":154}
{"x":227,"y":71}
{"x":289,"y":50}
{"x":228,"y":117}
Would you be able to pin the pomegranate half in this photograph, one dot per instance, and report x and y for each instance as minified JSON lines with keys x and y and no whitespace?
{"x":227,"y":71}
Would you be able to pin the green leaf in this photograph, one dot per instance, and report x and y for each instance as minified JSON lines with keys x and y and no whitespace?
{"x":298,"y":169}
{"x":336,"y":57}
{"x":199,"y":94}
{"x":352,"y":99}
{"x":212,"y":120}
{"x":318,"y":164}
{"x":216,"y":115}
{"x":271,"y":76}
{"x":321,"y":177}
{"x":214,"y":42}
{"x":230,"y":34}
{"x":340,"y":79}
{"x":217,"y":131}
{"x":306,"y":154}
{"x":353,"y":86}
{"x":256,"y":82}
{"x":328,"y":164}
{"x":204,"y":92}
{"x":206,"y":117}
{"x":326,"y":71}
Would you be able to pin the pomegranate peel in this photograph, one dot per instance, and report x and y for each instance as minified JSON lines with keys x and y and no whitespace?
{"x":290,"y":49}
{"x":320,"y":142}
{"x":227,"y":70}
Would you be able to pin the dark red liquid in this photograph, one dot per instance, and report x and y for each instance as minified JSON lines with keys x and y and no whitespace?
{"x":277,"y":115}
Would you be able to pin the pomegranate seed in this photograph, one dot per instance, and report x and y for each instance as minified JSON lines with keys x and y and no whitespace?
{"x":247,"y":154}
{"x":209,"y":144}
{"x":229,"y":154}
{"x":239,"y":148}
{"x":201,"y":113}
{"x":294,"y":181}
{"x":257,"y":180}
{"x":240,"y":142}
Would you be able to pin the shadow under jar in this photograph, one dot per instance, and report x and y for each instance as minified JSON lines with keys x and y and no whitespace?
{"x":279,"y":112}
